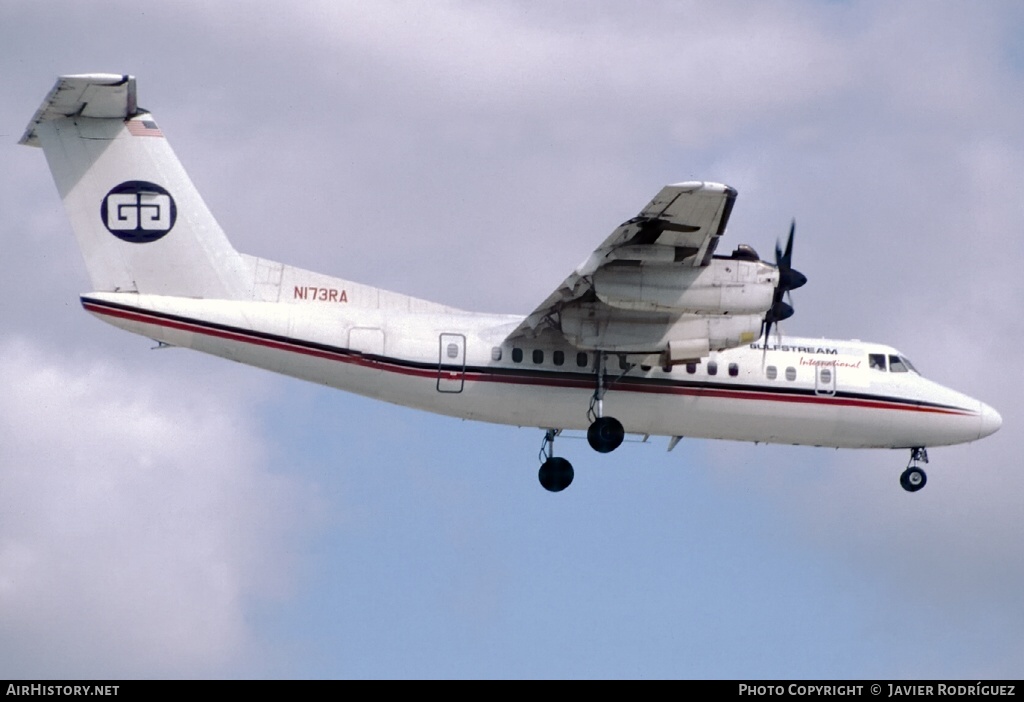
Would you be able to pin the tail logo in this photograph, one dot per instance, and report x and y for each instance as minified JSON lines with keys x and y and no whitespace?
{"x":138,"y":212}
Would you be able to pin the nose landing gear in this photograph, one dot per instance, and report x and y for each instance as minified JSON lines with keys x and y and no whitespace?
{"x":914,"y":478}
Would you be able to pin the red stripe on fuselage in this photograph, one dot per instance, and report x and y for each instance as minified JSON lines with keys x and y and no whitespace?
{"x":501,"y":375}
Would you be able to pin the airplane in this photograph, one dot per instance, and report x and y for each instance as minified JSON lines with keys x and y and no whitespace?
{"x":654,"y":334}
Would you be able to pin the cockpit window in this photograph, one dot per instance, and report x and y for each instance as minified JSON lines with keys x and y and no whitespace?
{"x":892,"y":362}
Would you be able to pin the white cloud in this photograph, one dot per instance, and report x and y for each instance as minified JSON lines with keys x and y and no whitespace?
{"x":140,"y":521}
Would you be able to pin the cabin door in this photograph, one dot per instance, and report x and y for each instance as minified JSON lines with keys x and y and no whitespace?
{"x":825,"y":380}
{"x":451,"y":364}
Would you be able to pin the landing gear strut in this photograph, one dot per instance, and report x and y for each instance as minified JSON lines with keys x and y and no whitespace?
{"x":914,"y":478}
{"x":555,"y":473}
{"x":605,"y":433}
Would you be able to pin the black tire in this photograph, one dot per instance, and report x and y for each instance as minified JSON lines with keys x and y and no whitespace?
{"x":555,"y":474}
{"x":913,"y":479}
{"x":605,"y":434}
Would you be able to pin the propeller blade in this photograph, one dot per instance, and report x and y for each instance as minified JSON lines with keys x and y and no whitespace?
{"x":788,"y":256}
{"x":779,"y":311}
{"x":789,"y":279}
{"x":782,"y":311}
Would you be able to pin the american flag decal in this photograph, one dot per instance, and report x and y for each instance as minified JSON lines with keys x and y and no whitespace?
{"x":143,"y":127}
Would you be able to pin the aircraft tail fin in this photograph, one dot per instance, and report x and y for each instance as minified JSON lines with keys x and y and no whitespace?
{"x":140,"y":222}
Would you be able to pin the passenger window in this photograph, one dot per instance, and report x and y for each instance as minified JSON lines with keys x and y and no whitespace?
{"x":825,"y":376}
{"x":734,"y":370}
{"x":876,"y":361}
{"x":771,"y":372}
{"x":645,"y":368}
{"x":496,"y":353}
{"x":691,"y":368}
{"x":558,"y":357}
{"x":712,"y":368}
{"x":538,"y":356}
{"x":666,"y":369}
{"x":581,"y":359}
{"x":791,"y":373}
{"x":896,"y":365}
{"x":517,"y":355}
{"x":453,"y":351}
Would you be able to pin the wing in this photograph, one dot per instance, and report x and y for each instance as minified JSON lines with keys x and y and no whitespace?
{"x":676,"y":234}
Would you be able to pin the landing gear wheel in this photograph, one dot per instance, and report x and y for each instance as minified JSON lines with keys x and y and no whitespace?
{"x":605,"y":434}
{"x":913,"y":479}
{"x":555,"y":474}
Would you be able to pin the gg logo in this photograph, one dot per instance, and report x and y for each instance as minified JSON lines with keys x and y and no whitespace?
{"x":138,"y":212}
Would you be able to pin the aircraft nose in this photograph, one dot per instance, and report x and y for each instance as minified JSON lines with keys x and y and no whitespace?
{"x":990,"y":421}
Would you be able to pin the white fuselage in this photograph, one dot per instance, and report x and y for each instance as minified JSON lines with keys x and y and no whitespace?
{"x":798,"y":391}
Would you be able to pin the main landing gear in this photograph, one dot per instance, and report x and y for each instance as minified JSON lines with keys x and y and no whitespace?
{"x":605,"y":433}
{"x":604,"y":436}
{"x":555,"y":473}
{"x":914,"y":478}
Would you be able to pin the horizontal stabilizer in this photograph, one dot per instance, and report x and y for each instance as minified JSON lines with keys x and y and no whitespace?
{"x":97,"y":95}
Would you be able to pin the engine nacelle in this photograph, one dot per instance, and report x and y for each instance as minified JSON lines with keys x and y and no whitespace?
{"x":725,"y":286}
{"x":680,"y":338}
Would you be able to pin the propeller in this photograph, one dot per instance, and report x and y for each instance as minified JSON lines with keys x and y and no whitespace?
{"x":789,"y":279}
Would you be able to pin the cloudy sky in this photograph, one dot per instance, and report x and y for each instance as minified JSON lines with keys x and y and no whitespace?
{"x":168,"y":514}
